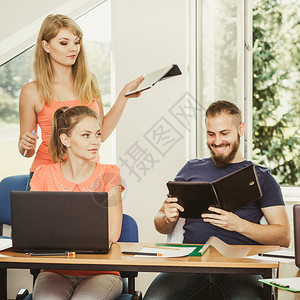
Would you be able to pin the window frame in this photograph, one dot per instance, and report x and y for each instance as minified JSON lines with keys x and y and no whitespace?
{"x":245,"y":84}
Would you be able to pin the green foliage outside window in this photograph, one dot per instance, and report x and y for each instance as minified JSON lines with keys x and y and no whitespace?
{"x":276,"y":88}
{"x":13,"y":75}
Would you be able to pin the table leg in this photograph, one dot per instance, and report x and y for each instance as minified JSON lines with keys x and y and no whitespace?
{"x":267,"y":292}
{"x":267,"y":288}
{"x":3,"y":284}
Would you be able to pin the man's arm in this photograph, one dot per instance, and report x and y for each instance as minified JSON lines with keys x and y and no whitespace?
{"x":277,"y":232}
{"x":167,"y":216}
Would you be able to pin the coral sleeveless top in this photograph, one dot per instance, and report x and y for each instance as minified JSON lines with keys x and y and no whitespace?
{"x":44,"y":119}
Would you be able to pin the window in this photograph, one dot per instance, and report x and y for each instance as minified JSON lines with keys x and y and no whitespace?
{"x":276,"y":88}
{"x":224,"y":71}
{"x":219,"y":58}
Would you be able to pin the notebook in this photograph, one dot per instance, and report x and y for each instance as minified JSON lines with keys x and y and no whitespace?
{"x":152,"y":78}
{"x":59,"y":221}
{"x":229,"y":192}
{"x":296,"y":217}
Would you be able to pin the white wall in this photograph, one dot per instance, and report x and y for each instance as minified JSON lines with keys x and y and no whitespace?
{"x":146,"y":38}
{"x":148,"y":35}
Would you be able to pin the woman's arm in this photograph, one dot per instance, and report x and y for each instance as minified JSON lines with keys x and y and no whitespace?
{"x":112,"y":118}
{"x":115,"y":213}
{"x":28,"y":101}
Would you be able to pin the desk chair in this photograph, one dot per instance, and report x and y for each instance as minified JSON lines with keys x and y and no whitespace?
{"x":17,"y":183}
{"x":12,"y":183}
{"x":129,"y":233}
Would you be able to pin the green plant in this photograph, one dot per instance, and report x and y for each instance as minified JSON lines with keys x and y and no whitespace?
{"x":276,"y":88}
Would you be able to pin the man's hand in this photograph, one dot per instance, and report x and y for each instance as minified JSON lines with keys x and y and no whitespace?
{"x":171,"y":209}
{"x":167,"y":217}
{"x":222,"y":218}
{"x":277,"y":232}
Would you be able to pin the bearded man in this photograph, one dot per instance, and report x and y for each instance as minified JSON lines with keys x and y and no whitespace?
{"x":224,"y":128}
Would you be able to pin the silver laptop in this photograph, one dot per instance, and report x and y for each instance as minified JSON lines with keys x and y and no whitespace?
{"x":296,"y":215}
{"x":152,"y":78}
{"x":59,"y":221}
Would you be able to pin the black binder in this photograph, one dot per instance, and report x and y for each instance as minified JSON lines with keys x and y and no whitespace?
{"x":229,"y":192}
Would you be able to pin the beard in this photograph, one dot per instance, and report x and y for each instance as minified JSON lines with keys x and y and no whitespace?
{"x":221,"y":160}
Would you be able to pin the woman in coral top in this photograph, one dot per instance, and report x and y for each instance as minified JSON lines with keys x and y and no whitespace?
{"x":62,"y":78}
{"x":74,"y":143}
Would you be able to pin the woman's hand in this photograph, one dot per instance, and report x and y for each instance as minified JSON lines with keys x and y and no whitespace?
{"x":30,"y":105}
{"x":27,"y":143}
{"x":112,"y":118}
{"x":130,"y":86}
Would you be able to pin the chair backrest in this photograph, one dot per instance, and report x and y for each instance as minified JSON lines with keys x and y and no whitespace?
{"x":129,"y":232}
{"x":11,"y":183}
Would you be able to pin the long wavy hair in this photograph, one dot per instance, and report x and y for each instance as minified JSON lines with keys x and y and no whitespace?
{"x":85,"y":84}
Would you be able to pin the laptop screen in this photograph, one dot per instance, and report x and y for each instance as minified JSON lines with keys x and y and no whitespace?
{"x":59,"y":221}
{"x":296,"y":215}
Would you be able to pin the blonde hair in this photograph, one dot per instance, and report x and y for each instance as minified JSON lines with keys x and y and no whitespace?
{"x":85,"y":84}
{"x":63,"y":122}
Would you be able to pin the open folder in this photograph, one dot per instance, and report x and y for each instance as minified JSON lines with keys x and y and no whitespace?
{"x":229,"y":192}
{"x":152,"y":78}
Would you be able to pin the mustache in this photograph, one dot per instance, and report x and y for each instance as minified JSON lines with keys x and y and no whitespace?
{"x":219,"y":146}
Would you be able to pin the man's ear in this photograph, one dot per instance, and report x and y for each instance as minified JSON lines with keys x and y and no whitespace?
{"x":64,"y":140}
{"x":242,"y":129}
{"x":45,"y":46}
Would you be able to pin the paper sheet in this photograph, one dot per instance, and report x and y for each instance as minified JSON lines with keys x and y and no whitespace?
{"x":227,"y":250}
{"x":165,"y":252}
{"x":279,"y":253}
{"x":5,"y":244}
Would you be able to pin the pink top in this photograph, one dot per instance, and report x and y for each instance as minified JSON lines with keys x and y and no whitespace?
{"x":44,"y":119}
{"x":50,"y":178}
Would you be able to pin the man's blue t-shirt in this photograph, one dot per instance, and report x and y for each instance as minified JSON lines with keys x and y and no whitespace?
{"x":198,"y":232}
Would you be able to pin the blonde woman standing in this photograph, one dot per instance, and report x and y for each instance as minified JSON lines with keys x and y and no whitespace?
{"x":62,"y":78}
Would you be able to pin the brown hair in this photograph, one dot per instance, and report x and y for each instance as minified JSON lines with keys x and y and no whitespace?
{"x":223,"y":106}
{"x":63,"y":122}
{"x":85,"y":83}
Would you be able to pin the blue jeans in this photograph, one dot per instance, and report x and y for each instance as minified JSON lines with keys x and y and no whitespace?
{"x":172,"y":286}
